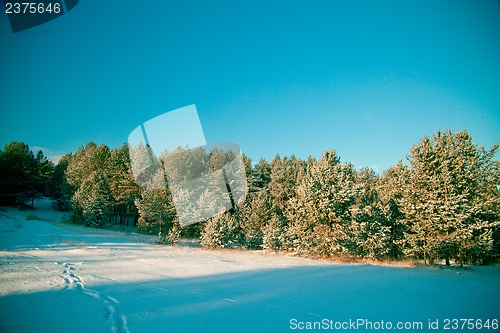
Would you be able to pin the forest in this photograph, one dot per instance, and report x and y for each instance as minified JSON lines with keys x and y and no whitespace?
{"x":441,"y":204}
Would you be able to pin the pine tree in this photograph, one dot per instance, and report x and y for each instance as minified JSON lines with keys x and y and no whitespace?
{"x":156,"y":212}
{"x":222,"y":231}
{"x":321,"y":215}
{"x":274,"y":233}
{"x":39,"y":174}
{"x":85,"y":162}
{"x":390,"y":190}
{"x":94,"y":164}
{"x":450,"y":201}
{"x":247,"y":162}
{"x":24,"y":174}
{"x":284,"y":178}
{"x":370,"y":228}
{"x":146,"y":167}
{"x":60,"y":192}
{"x":93,"y":201}
{"x":15,"y":161}
{"x":220,"y":157}
{"x":120,"y":177}
{"x":260,"y":176}
{"x":253,"y":215}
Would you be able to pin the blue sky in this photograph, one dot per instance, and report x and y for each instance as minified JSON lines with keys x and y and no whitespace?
{"x":367,"y":78}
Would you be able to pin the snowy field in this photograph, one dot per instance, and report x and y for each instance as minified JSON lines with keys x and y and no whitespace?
{"x":57,"y":277}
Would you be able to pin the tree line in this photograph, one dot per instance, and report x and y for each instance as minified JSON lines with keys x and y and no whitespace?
{"x":443,"y":203}
{"x":24,"y":175}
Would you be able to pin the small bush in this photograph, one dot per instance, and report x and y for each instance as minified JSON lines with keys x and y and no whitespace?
{"x":222,"y":231}
{"x":31,"y":217}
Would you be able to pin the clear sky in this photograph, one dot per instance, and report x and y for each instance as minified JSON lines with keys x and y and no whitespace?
{"x":367,"y":78}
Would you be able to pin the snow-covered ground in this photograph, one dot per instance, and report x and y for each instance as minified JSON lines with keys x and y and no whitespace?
{"x":57,"y":277}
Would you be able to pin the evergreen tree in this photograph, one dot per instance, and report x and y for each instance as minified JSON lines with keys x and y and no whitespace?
{"x":146,"y":167}
{"x":222,"y":231}
{"x":274,"y":233}
{"x":86,"y":161}
{"x":15,"y":161}
{"x":110,"y":173}
{"x":156,"y":212}
{"x":120,"y":177}
{"x":284,"y":178}
{"x":452,"y":198}
{"x":260,"y":176}
{"x":370,"y":228}
{"x":391,"y":189}
{"x":321,"y":215}
{"x":184,"y":164}
{"x":39,"y":172}
{"x":93,"y":201}
{"x":218,"y":158}
{"x":60,"y":192}
{"x":24,"y":174}
{"x":254,"y":214}
{"x":247,"y":162}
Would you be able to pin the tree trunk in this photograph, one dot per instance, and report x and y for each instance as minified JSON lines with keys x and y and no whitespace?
{"x":461,"y":259}
{"x":425,"y":252}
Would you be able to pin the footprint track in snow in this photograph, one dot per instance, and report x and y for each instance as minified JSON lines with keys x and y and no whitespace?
{"x":110,"y":306}
{"x":71,"y":279}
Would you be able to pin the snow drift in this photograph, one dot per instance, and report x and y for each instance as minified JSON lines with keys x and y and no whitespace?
{"x":57,"y":277}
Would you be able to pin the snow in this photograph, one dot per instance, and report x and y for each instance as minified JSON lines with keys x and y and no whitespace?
{"x":59,"y":277}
